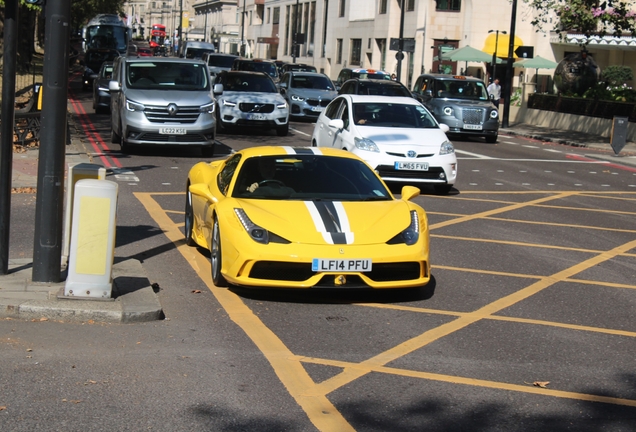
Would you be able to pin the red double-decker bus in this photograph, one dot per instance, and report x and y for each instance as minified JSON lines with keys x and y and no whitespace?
{"x":157,"y":35}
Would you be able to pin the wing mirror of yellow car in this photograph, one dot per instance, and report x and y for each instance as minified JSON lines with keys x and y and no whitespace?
{"x":408,"y":192}
{"x":202,"y":189}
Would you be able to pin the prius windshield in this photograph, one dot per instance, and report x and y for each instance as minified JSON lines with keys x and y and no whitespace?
{"x":308,"y":177}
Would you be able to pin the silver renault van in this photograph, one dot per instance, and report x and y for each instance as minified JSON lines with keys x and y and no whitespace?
{"x":162,"y":101}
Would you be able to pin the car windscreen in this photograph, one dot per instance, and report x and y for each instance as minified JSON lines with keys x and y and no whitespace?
{"x":311,"y":82}
{"x":107,"y":72}
{"x":308,"y":177}
{"x":248,"y":83}
{"x":376,"y":88}
{"x":156,"y":75}
{"x":220,"y":61}
{"x":195,"y":53}
{"x":393,"y":115}
{"x":459,"y":89}
{"x":254,"y":66}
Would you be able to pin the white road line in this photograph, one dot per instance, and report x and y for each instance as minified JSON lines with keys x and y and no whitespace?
{"x":529,"y":146}
{"x":475,"y":155}
{"x":300,"y":132}
{"x":534,"y":160}
{"x":553,"y":151}
{"x":124,"y":175}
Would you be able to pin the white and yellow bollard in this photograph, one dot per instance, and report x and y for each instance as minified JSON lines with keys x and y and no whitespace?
{"x":76,"y":172}
{"x":92,"y":248}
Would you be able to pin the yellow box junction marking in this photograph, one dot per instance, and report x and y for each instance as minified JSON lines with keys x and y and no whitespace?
{"x":312,"y":397}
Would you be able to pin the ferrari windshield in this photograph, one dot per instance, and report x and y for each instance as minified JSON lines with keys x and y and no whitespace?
{"x":392,"y":115}
{"x":308,"y":177}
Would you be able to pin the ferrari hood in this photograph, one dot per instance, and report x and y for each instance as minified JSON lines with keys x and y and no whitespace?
{"x":330,"y":222}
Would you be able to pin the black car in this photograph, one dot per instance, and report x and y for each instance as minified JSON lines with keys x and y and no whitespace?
{"x":101,"y":93}
{"x":93,"y":60}
{"x":299,"y":67}
{"x":362,"y":86}
{"x":257,"y":65}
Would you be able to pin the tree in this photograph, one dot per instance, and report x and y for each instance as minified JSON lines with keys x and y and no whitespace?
{"x":587,"y":17}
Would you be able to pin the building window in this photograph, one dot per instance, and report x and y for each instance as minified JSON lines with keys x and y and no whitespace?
{"x":383,"y":7}
{"x":269,"y":15}
{"x":324,"y":30}
{"x":448,"y":5}
{"x":276,"y":15}
{"x":382,"y":48}
{"x":356,"y":51}
{"x":410,"y":5}
{"x":338,"y":51}
{"x":341,"y":9}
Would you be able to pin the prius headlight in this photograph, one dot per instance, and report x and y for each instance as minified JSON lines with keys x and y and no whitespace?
{"x":257,"y":233}
{"x":446,"y":148}
{"x":366,"y":144}
{"x":134,"y":106}
{"x":410,"y":235}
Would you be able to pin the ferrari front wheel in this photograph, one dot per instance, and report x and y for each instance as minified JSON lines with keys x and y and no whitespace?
{"x":215,"y":257}
{"x":189,"y":219}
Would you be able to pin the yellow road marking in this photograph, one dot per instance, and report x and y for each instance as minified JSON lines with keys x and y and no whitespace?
{"x":364,"y":368}
{"x":289,"y":369}
{"x":514,"y":243}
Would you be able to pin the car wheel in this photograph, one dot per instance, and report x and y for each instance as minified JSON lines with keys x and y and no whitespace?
{"x":215,"y":256}
{"x":114,"y":136}
{"x":282,"y":130}
{"x":442,"y":189}
{"x":314,"y":143}
{"x":220,"y":127}
{"x":189,"y":219}
{"x":491,"y":139}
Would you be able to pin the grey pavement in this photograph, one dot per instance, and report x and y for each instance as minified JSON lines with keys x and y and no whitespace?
{"x":133,"y":298}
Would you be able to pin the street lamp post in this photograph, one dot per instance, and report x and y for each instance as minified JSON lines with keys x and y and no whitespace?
{"x":509,"y":69}
{"x":494,"y":54}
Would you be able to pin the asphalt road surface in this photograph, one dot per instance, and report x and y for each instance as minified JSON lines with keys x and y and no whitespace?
{"x":527,"y":325}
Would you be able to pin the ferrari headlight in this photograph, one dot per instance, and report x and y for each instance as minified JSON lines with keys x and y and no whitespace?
{"x":257,"y":233}
{"x":446,"y":148}
{"x":448,"y":111}
{"x":134,"y":106}
{"x":366,"y":144}
{"x":494,"y":114}
{"x":207,"y":108}
{"x":297,"y":98}
{"x":411,"y":235}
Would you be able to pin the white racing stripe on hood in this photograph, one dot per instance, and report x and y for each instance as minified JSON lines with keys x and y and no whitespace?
{"x":330,"y":219}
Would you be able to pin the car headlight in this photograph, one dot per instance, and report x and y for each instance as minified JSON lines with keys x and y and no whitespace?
{"x":448,"y":111}
{"x":494,"y":114}
{"x":446,"y":148}
{"x":257,"y":233}
{"x":410,"y":235}
{"x":282,"y":105}
{"x":297,"y":98}
{"x":134,"y":106}
{"x":366,"y":144}
{"x":207,"y":108}
{"x":229,"y":103}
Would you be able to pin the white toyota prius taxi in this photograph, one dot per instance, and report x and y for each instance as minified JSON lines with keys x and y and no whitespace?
{"x":397,"y":136}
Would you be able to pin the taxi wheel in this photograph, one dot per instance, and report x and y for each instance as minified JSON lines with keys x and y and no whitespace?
{"x":215,"y":257}
{"x":282,"y":130}
{"x":189,"y":219}
{"x":491,"y":139}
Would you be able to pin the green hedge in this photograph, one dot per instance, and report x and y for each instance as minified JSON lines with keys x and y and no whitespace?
{"x":582,"y":106}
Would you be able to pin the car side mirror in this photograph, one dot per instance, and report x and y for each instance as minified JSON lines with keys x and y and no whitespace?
{"x":218,"y":89}
{"x":114,"y":86}
{"x":336,"y":124}
{"x":428,"y":93}
{"x":409,"y":192}
{"x":444,"y":127}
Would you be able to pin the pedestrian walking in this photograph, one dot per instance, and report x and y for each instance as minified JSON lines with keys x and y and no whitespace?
{"x":494,"y":91}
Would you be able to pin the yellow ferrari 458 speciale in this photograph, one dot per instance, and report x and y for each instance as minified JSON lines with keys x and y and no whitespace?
{"x":303,"y":217}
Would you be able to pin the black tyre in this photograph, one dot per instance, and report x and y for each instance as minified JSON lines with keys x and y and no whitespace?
{"x":189,"y":219}
{"x":282,"y":130}
{"x":219,"y":123}
{"x":215,"y":257}
{"x":207,"y":152}
{"x":491,"y":139}
{"x":114,"y":136}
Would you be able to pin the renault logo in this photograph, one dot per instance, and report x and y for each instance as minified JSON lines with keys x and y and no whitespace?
{"x":411,"y":154}
{"x":172,"y":110}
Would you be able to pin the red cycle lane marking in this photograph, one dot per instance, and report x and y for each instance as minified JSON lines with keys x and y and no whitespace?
{"x":605,"y":164}
{"x":89,"y":129}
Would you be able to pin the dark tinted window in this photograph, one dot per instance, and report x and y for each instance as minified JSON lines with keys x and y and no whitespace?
{"x":157,"y":75}
{"x":332,"y":109}
{"x":311,"y":82}
{"x":248,"y":83}
{"x":392,"y":115}
{"x":373,"y":88}
{"x":226,"y":174}
{"x":258,"y":66}
{"x":221,"y":61}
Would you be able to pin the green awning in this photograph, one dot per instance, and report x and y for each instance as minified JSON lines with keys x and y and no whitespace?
{"x":537,"y":62}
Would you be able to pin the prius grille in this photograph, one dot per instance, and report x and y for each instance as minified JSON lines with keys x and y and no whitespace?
{"x":160,"y":114}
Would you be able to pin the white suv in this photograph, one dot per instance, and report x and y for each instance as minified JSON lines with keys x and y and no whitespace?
{"x":250,"y":99}
{"x":162,"y":101}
